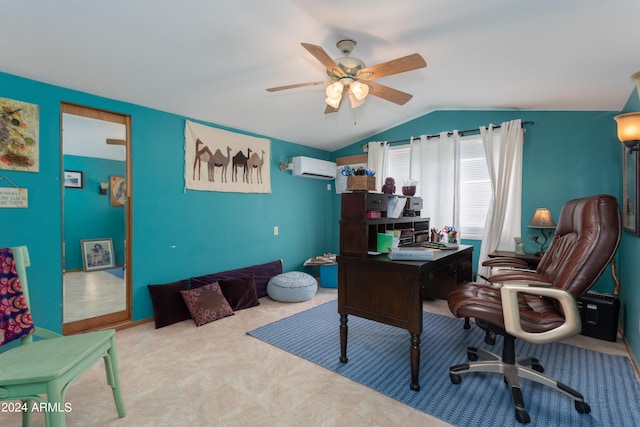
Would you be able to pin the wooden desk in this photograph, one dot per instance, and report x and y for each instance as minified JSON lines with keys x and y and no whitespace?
{"x":391,"y":292}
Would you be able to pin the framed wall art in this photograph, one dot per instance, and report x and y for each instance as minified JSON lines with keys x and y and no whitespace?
{"x":97,"y":254}
{"x":118,"y":190}
{"x":73,"y":179}
{"x":220,"y":160}
{"x":630,"y":183}
{"x":19,"y":135}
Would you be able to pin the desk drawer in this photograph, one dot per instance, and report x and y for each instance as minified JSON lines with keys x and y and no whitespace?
{"x":356,"y":205}
{"x":439,"y":283}
{"x":443,"y":281}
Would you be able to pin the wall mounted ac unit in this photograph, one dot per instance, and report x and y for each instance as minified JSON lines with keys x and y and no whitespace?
{"x":313,"y":168}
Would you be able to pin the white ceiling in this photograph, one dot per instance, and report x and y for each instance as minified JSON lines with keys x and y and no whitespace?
{"x":212,"y":60}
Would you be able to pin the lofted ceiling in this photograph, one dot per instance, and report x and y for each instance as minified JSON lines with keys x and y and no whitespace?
{"x":212,"y":60}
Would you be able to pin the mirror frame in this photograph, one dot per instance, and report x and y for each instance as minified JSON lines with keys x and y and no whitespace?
{"x":125,"y":316}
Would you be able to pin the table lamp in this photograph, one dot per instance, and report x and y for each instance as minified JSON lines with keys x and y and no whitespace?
{"x":543,"y":220}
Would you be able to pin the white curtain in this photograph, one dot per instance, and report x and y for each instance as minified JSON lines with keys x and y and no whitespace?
{"x":503,"y":150}
{"x":435,"y":165}
{"x":377,"y":161}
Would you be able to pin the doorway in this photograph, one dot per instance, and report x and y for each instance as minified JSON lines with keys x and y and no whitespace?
{"x":97,"y":212}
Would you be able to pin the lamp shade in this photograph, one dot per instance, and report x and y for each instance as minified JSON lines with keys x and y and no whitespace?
{"x":360,"y":90}
{"x":334,"y":90}
{"x":628,"y":127}
{"x":542,"y":219}
{"x":333,"y":102}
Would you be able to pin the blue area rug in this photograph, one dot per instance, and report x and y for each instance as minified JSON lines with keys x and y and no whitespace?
{"x":118,"y":272}
{"x":379,"y":358}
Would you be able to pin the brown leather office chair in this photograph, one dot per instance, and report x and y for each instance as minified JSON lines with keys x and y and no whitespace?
{"x":540,"y":307}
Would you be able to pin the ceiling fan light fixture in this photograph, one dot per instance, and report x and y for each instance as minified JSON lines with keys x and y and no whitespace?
{"x":355,"y":102}
{"x":359,"y":90}
{"x":353,"y":75}
{"x":334,"y":90}
{"x":333,"y":102}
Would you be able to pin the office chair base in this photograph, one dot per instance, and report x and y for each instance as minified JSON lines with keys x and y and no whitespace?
{"x":511,"y":372}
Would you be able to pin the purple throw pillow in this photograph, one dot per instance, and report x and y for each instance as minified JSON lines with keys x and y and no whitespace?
{"x":240,"y":292}
{"x":168,"y":305}
{"x":206,"y":304}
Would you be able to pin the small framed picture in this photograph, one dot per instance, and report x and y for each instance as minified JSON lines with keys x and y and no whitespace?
{"x":73,"y":179}
{"x":118,"y":190}
{"x":97,"y":254}
{"x":631,"y":196}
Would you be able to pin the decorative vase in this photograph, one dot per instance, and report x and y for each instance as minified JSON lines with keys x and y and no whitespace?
{"x":409,"y":190}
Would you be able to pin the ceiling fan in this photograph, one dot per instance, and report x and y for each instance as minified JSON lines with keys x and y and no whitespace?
{"x":351,"y":75}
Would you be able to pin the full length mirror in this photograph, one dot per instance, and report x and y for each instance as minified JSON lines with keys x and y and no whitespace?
{"x":95,"y":276}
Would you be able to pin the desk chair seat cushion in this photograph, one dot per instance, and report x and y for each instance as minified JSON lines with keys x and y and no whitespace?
{"x":206,"y":304}
{"x":293,"y":286}
{"x":537,"y":314}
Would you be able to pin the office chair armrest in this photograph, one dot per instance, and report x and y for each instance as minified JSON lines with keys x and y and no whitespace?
{"x":511,"y":311}
{"x":505,"y":262}
{"x":519,"y":276}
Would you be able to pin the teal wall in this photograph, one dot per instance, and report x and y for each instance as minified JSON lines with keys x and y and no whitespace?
{"x":176,"y":233}
{"x":89,"y":215}
{"x":629,"y":271}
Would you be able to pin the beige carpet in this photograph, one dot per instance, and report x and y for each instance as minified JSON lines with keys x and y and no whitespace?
{"x":216,"y":375}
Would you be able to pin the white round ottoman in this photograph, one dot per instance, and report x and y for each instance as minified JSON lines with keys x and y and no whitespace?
{"x":293,"y":286}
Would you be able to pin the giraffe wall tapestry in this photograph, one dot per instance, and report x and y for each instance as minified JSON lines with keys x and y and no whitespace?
{"x":219,"y":160}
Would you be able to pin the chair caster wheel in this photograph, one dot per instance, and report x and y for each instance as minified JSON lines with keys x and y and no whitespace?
{"x":472,"y":356}
{"x":582,"y":407}
{"x":490,"y":338}
{"x":522,"y":416}
{"x":457,"y":379}
{"x":537,"y":367}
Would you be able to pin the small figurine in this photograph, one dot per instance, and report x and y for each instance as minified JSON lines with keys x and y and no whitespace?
{"x":389,"y":186}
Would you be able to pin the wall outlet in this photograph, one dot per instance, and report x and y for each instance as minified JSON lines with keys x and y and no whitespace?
{"x":275,"y":230}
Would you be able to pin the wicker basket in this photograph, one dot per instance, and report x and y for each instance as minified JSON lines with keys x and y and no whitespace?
{"x":361,"y":183}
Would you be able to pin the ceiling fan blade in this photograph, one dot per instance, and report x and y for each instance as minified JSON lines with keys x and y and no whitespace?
{"x":399,"y":65}
{"x":387,"y":93}
{"x":275,"y":89}
{"x":329,"y":109}
{"x":321,"y":55}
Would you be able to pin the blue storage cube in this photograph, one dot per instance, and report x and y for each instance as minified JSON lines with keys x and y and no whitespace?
{"x":329,"y":276}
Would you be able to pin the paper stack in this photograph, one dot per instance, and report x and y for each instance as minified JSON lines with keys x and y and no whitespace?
{"x":415,"y":253}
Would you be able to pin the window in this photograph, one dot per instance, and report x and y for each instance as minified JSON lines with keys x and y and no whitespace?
{"x":398,"y":165}
{"x":475,"y":187}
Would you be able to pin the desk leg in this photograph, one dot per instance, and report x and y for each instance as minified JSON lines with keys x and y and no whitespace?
{"x":344,"y":329}
{"x":415,"y":362}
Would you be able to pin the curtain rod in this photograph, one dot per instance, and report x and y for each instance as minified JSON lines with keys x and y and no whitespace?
{"x":461,"y":133}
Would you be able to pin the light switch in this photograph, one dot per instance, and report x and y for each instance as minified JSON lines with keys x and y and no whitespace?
{"x":275,"y":230}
